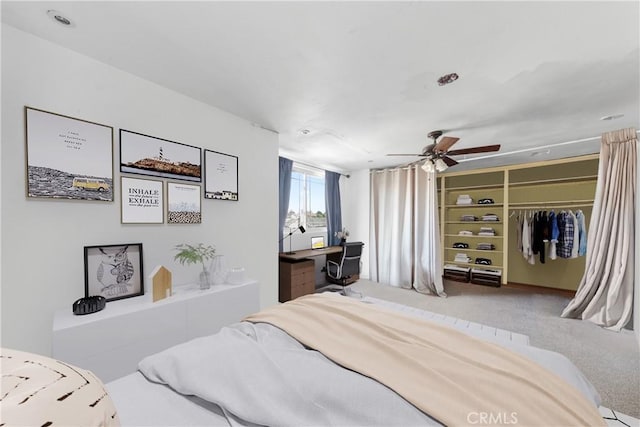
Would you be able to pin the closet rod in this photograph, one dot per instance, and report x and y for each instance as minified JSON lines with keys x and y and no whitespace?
{"x":546,"y":206}
{"x":551,"y":202}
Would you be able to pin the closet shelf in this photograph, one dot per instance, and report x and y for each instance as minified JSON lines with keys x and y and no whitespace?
{"x":473,"y":236}
{"x":472,"y":264}
{"x":473,"y":187}
{"x":554,"y":181}
{"x":474,"y":205}
{"x":474,"y":250}
{"x":473,"y":222}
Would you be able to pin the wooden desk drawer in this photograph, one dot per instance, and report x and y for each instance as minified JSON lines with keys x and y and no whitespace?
{"x":302,"y":289}
{"x":303,"y":277}
{"x":298,"y":267}
{"x":296,"y":279}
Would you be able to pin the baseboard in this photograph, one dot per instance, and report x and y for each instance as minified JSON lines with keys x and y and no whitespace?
{"x":541,"y":289}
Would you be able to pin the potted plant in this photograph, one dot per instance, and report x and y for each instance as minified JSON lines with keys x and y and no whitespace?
{"x":342,"y":235}
{"x":191,"y":254}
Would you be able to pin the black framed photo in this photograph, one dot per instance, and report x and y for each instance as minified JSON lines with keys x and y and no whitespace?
{"x":68,"y":158}
{"x":147,"y":155}
{"x":113,"y":271}
{"x":221,"y":180}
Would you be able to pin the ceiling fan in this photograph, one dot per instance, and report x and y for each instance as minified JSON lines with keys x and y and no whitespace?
{"x":437,"y":154}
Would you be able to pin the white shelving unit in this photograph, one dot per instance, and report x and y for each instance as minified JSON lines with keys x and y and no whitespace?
{"x":111,"y":342}
{"x":481,"y":186}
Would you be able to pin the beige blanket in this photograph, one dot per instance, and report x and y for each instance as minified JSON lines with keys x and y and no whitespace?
{"x":453,"y":377}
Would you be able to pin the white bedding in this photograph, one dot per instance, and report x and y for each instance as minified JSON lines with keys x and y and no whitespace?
{"x":142,"y":403}
{"x":270,"y":361}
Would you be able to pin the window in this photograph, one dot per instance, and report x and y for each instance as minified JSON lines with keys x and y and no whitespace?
{"x":306,"y":200}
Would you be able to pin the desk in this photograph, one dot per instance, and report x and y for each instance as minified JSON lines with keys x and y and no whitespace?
{"x":298,"y":272}
{"x":310,"y":253}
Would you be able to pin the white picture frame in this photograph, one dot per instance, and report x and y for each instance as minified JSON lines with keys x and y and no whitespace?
{"x":184,"y":203}
{"x":141,"y":201}
{"x":68,"y":158}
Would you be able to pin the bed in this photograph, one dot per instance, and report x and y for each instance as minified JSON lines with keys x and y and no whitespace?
{"x":255,"y":373}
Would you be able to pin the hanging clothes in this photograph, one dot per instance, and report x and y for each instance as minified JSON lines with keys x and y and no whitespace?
{"x":582,"y":233}
{"x":526,"y":240}
{"x":543,"y":234}
{"x":539,"y":227}
{"x":519,"y":221}
{"x":531,"y":259}
{"x":553,"y":235}
{"x":576,"y":239}
{"x":565,"y":237}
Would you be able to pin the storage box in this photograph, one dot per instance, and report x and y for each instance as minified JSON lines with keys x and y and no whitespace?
{"x":457,"y":273}
{"x":486,"y":277}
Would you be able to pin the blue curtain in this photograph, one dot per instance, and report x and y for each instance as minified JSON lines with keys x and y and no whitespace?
{"x":284,"y":190}
{"x":334,"y":209}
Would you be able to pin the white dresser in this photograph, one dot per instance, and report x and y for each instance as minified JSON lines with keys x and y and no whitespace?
{"x":111,"y":342}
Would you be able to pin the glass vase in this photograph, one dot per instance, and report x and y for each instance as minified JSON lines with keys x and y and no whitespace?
{"x":205,"y":279}
{"x":218,"y":270}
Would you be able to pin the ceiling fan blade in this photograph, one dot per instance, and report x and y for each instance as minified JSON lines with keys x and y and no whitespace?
{"x":445,"y":143}
{"x":423,"y":155}
{"x":449,"y":161}
{"x":474,"y":150}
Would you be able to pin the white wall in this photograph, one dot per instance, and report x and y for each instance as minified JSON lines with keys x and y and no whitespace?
{"x":636,"y":288}
{"x":354,"y":192}
{"x":43,"y":240}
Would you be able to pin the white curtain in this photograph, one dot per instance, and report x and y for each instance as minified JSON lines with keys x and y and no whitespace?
{"x":605,"y":293}
{"x":404,"y":248}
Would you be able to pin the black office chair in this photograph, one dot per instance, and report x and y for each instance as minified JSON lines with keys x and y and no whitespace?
{"x":344,"y":268}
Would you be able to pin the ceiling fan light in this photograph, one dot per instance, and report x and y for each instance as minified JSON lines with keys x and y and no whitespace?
{"x":440,"y":165}
{"x":428,"y":166}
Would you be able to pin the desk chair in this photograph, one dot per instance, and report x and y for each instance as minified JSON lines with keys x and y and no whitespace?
{"x":344,"y":268}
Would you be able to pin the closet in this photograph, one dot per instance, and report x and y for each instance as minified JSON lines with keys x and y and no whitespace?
{"x":465,"y":222}
{"x":516,"y":190}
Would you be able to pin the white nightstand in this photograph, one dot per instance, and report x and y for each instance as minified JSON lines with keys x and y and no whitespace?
{"x":111,"y":342}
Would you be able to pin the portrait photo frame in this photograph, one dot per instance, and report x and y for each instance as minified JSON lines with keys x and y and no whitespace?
{"x":67,"y":158}
{"x":141,"y":201}
{"x":113,"y":271}
{"x":221,"y":176}
{"x":184,"y":203}
{"x":152,"y":156}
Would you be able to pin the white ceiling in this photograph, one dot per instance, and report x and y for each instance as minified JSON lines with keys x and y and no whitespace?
{"x":361,"y":76}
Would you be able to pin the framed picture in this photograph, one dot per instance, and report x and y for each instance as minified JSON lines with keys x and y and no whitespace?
{"x":183,"y":203}
{"x":148,"y":155}
{"x":113,"y":271}
{"x":221,"y":181}
{"x":68,"y":158}
{"x":142,"y":201}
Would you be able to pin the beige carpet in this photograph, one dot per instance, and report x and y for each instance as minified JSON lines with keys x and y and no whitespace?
{"x":610,"y":360}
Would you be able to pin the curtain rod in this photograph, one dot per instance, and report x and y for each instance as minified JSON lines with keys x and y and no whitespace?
{"x":391,"y":169}
{"x":541,"y":147}
{"x":317,"y":167}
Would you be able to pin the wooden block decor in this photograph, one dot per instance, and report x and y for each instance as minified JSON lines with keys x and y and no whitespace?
{"x":161,"y":283}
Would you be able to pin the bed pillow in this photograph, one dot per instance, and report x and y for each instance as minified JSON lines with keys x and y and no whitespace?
{"x":40,"y":391}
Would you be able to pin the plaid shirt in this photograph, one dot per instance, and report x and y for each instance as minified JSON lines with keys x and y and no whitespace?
{"x":565,"y":236}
